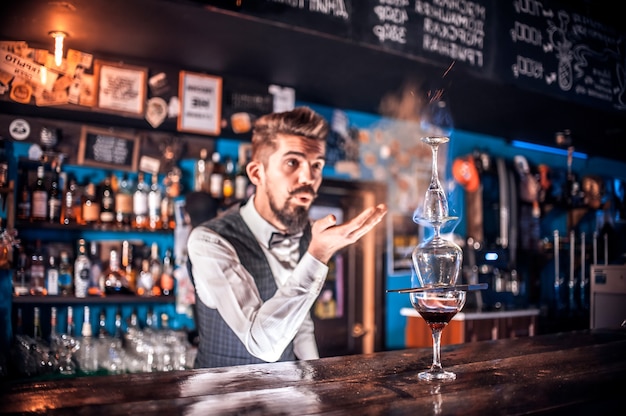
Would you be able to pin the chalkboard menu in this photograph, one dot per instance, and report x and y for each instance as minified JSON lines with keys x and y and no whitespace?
{"x":329,"y":16}
{"x":557,"y":50}
{"x":442,"y":32}
{"x":108,"y":149}
{"x":545,"y":46}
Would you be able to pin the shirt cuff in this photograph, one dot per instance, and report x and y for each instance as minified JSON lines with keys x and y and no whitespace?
{"x":313,"y":273}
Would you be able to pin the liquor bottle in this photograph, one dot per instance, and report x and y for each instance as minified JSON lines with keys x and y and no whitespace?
{"x":140,"y":203}
{"x":24,"y":205}
{"x":242,"y":182}
{"x":156,"y":268}
{"x":155,"y":198}
{"x":228,"y":182}
{"x":102,"y":325}
{"x":115,"y":282}
{"x":86,"y":329}
{"x":90,"y":206}
{"x":119,"y":329}
{"x":19,"y":323}
{"x":107,"y":203}
{"x":202,"y":172}
{"x":37,"y":272}
{"x":52,"y":276}
{"x":124,"y":203}
{"x":68,"y":209}
{"x":71,"y":326}
{"x":127,"y":265}
{"x":37,"y":332}
{"x":167,"y":281}
{"x":144,"y":280}
{"x":168,"y":206}
{"x":54,"y":199}
{"x":152,"y":321}
{"x":55,"y":338}
{"x":96,"y":283}
{"x":216,"y":180}
{"x":66,"y":280}
{"x":21,"y":281}
{"x":82,"y":270}
{"x":39,"y":197}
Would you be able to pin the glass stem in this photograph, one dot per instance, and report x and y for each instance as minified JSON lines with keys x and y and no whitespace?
{"x":436,"y":367}
{"x":434,"y":179}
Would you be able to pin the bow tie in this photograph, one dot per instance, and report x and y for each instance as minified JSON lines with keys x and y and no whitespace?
{"x":278,"y":239}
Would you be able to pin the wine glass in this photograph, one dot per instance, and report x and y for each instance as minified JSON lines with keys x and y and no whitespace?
{"x":437,"y":307}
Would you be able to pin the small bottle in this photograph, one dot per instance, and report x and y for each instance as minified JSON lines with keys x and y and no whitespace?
{"x":37,"y":272}
{"x":71,"y":326}
{"x":115,"y":282}
{"x":96,"y":282}
{"x":24,"y":205}
{"x":68,"y":209}
{"x":102,"y":325}
{"x":66,"y":275}
{"x":140,"y":203}
{"x":216,"y":180}
{"x":107,"y":203}
{"x":156,"y":268}
{"x":144,"y":280}
{"x":54,"y":200}
{"x":124,"y":203}
{"x":55,"y":339}
{"x":82,"y":270}
{"x":39,"y":197}
{"x":202,"y":172}
{"x":167,"y":280}
{"x":19,"y":323}
{"x":241,"y":182}
{"x":52,"y":276}
{"x":155,"y":198}
{"x":86,"y":329}
{"x":119,"y":330}
{"x":37,"y":332}
{"x":228,"y":184}
{"x":90,"y":207}
{"x":127,"y":265}
{"x":21,"y":281}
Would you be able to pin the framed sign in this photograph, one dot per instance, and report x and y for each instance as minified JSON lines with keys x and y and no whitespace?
{"x":200,"y":103}
{"x":108,"y":149}
{"x":121,"y":88}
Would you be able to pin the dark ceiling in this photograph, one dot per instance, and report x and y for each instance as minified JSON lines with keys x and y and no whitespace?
{"x":323,"y":69}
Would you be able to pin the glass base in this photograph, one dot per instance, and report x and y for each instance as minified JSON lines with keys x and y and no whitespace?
{"x":436,"y":375}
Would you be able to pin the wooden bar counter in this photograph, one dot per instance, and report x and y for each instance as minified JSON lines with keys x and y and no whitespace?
{"x":574,"y":373}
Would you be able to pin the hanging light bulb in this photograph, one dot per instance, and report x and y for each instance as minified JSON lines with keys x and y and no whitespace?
{"x":59,"y":37}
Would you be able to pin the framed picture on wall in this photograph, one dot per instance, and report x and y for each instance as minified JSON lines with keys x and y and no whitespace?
{"x":404,"y":236}
{"x":200,"y":103}
{"x":121,"y":88}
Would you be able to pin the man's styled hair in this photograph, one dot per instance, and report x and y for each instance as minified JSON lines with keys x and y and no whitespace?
{"x":301,"y":121}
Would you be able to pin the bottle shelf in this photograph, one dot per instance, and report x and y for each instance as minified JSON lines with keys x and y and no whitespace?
{"x":44,"y":225}
{"x":91,"y":300}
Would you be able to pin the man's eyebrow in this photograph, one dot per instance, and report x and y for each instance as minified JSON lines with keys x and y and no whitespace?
{"x":301,"y":154}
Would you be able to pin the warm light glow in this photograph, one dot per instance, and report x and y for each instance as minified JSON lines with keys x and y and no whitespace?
{"x":59,"y":37}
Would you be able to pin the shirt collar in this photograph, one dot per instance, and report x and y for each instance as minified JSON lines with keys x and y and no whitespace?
{"x":261,"y":229}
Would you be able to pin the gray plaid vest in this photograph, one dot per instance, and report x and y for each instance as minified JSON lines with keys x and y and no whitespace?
{"x":219,"y":346}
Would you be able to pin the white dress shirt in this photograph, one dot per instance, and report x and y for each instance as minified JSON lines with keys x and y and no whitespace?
{"x":265,"y":328}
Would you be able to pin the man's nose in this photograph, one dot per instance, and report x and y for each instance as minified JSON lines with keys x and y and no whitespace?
{"x":307,"y":175}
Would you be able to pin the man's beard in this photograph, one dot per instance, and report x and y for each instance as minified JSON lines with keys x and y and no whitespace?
{"x":294,"y":218}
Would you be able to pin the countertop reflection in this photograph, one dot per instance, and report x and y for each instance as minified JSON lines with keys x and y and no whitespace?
{"x":565,"y":373}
